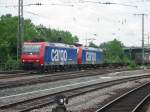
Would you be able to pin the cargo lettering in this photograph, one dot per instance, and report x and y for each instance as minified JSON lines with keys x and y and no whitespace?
{"x":58,"y":55}
{"x":90,"y":56}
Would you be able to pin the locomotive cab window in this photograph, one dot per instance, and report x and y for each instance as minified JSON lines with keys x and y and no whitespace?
{"x":31,"y":49}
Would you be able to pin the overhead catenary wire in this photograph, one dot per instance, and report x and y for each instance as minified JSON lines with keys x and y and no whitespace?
{"x":107,"y":3}
{"x":38,"y":4}
{"x":80,"y":1}
{"x":23,"y":5}
{"x":66,"y":4}
{"x":33,"y":13}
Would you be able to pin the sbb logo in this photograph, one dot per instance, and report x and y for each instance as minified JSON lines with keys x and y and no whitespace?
{"x":59,"y":55}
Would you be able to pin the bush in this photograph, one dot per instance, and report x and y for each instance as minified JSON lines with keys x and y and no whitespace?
{"x":132,"y":65}
{"x":126,"y":60}
{"x":10,"y":64}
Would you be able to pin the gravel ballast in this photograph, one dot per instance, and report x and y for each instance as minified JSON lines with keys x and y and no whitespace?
{"x":57,"y":84}
{"x":36,"y":87}
{"x":90,"y":101}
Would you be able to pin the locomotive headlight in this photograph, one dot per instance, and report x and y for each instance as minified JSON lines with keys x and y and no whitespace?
{"x":23,"y":60}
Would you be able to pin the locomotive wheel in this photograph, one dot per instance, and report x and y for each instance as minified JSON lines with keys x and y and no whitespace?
{"x":49,"y":69}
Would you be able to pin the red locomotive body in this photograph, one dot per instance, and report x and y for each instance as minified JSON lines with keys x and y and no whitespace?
{"x":32,"y":54}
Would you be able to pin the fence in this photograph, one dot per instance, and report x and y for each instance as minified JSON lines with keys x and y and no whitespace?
{"x":10,"y":66}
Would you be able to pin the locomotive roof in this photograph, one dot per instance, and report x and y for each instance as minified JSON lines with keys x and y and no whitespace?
{"x":52,"y":44}
{"x":62,"y":45}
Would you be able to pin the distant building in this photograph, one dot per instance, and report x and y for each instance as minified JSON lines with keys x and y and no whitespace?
{"x":135,"y":53}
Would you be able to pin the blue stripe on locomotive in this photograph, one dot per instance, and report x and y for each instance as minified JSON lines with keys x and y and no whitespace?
{"x":60,"y":56}
{"x":92,"y":57}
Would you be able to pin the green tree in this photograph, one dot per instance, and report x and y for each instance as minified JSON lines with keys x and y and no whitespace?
{"x":30,"y":31}
{"x":113,"y":51}
{"x":8,"y":35}
{"x":53,"y":35}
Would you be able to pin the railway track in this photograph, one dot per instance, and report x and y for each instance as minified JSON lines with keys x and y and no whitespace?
{"x":25,"y":74}
{"x":130,"y":101}
{"x":38,"y":102}
{"x":11,"y":72}
{"x":55,"y":77}
{"x":15,"y":75}
{"x":142,"y":106}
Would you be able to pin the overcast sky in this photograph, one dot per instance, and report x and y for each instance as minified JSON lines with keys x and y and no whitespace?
{"x":89,"y":20}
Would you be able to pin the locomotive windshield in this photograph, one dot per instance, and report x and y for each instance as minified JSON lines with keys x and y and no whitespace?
{"x":31,"y":49}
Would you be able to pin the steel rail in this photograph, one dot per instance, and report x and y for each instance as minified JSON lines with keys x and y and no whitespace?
{"x":128,"y":101}
{"x":15,"y":75}
{"x":141,"y":104}
{"x":38,"y":102}
{"x":53,"y":77}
